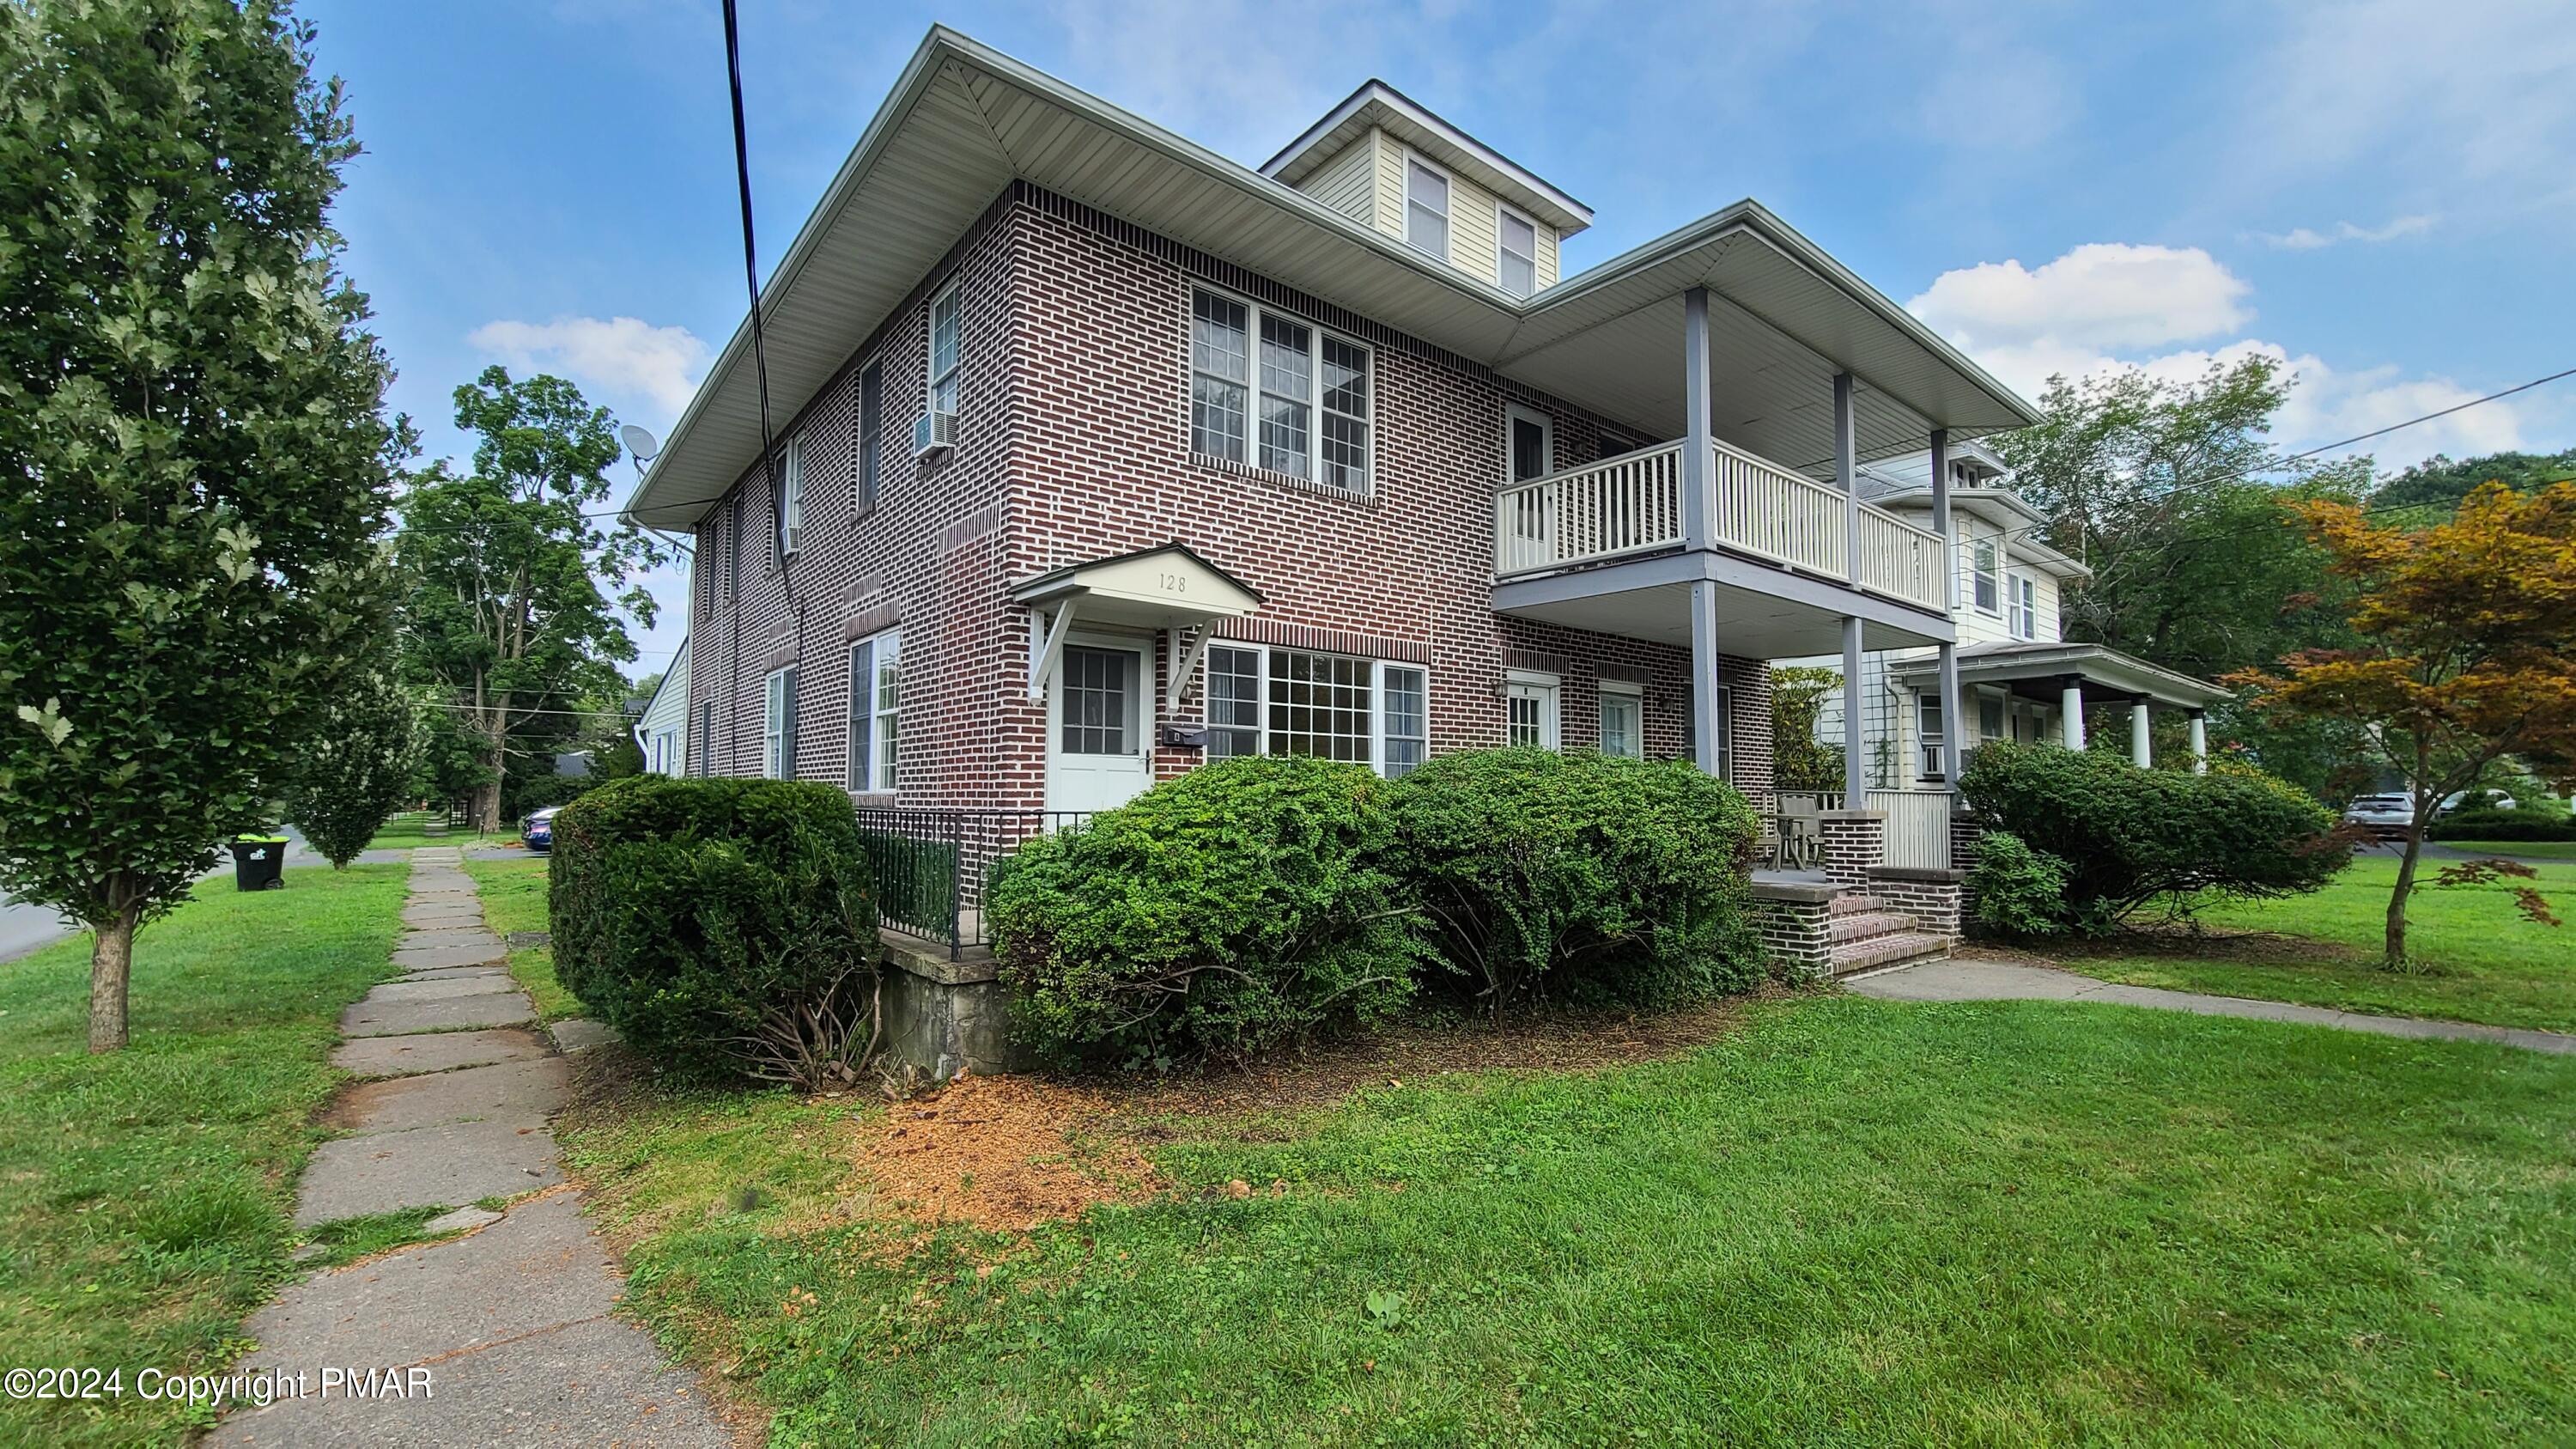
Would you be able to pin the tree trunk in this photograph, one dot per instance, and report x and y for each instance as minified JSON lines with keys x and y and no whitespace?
{"x":2396,"y":943}
{"x":487,"y":805}
{"x":111,"y":966}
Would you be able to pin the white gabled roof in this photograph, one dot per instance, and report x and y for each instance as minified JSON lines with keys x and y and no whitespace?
{"x":1377,"y":104}
{"x":965,"y":120}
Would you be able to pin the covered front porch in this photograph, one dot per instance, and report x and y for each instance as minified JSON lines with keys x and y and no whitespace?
{"x":2072,"y":678}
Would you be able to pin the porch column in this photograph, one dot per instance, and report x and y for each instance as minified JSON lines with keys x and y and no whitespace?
{"x":2142,"y":747}
{"x":1847,"y":472}
{"x":1855,"y":783}
{"x":1954,"y":726}
{"x":2070,"y":711}
{"x":1704,"y":702}
{"x":1697,"y":430}
{"x":2199,"y":741}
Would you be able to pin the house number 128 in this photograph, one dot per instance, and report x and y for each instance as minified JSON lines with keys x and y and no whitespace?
{"x":1173,"y":583}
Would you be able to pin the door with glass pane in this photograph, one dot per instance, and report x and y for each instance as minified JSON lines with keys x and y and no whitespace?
{"x":1097,"y":755}
{"x":1530,"y":713}
{"x":1623,"y":723}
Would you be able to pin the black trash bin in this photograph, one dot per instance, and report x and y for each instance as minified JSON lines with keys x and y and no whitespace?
{"x":259,"y":862}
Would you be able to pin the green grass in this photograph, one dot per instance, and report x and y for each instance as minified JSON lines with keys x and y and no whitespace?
{"x":2527,"y":849}
{"x":513,"y":893}
{"x":2480,"y":960}
{"x":1853,"y":1222}
{"x":148,"y":1192}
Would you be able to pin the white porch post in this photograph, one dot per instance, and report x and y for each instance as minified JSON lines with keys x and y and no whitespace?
{"x":1847,"y":474}
{"x":2200,"y":742}
{"x":1855,"y":783}
{"x":2142,"y":747}
{"x":1954,"y":726}
{"x":2070,"y":711}
{"x":1697,"y":429}
{"x":1705,"y":700}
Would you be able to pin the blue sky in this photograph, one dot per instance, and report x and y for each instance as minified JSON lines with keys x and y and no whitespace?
{"x":2378,"y":193}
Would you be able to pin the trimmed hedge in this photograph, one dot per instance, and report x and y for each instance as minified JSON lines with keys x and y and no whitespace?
{"x":695,"y":914}
{"x":2128,"y":839}
{"x":1243,"y":904}
{"x":2515,"y":824}
{"x":2019,"y":891}
{"x":1580,"y":875}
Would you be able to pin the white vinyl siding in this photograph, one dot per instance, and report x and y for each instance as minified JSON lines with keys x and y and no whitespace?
{"x":1279,"y":393}
{"x":1272,"y":701}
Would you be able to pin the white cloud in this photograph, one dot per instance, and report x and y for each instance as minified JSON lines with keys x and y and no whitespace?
{"x":2102,"y":295}
{"x":2308,"y":239}
{"x":623,"y":357}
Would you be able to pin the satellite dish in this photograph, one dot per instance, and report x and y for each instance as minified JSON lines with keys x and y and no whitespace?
{"x":639,"y":442}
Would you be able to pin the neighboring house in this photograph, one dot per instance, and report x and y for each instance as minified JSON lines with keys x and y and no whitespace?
{"x":574,"y":763}
{"x":662,"y":731}
{"x":2015,"y":667}
{"x":1100,"y":455}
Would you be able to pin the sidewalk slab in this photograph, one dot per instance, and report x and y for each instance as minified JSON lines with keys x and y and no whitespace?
{"x":399,"y":1018}
{"x":444,"y":1165}
{"x":451,"y":955}
{"x":399,"y":1056}
{"x":431,"y":937}
{"x":521,"y":1093}
{"x":451,"y":988}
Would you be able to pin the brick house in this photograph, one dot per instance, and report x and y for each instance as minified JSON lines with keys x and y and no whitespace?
{"x":1099,"y":455}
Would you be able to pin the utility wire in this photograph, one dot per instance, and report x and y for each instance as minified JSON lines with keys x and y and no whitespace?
{"x":750,"y":266}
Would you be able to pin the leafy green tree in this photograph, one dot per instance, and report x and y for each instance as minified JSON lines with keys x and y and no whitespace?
{"x":356,"y":765}
{"x":2437,"y":482}
{"x":1800,"y":761}
{"x":190,"y":429}
{"x":516,"y":578}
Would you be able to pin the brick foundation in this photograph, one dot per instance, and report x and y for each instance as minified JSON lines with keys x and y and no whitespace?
{"x":1965,"y":833}
{"x":1795,"y":921}
{"x":1931,"y":897}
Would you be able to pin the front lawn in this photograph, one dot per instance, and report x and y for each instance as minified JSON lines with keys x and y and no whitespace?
{"x":2480,"y":960}
{"x":513,"y":893}
{"x":2527,"y":849}
{"x":149,"y":1191}
{"x":1849,"y":1221}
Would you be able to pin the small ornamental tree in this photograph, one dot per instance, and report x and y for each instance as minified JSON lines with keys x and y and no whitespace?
{"x":192,"y":461}
{"x":2468,"y":650}
{"x":355,"y":766}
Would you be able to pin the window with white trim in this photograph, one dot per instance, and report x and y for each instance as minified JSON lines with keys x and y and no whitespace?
{"x":863,"y":492}
{"x":1515,"y":251}
{"x":1529,"y":443}
{"x":1263,"y":701}
{"x":778,"y":725}
{"x":943,"y":350}
{"x":1928,"y":730}
{"x":1530,"y":714}
{"x":1426,"y":207}
{"x":2021,"y":601}
{"x":1623,"y":720}
{"x":1987,"y":579}
{"x":876,"y":694}
{"x":791,"y":493}
{"x":1300,"y":407}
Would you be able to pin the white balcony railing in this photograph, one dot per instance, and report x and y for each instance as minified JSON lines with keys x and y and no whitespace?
{"x":1633,"y":504}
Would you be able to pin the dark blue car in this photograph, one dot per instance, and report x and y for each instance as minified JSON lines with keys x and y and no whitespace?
{"x":538,"y":830}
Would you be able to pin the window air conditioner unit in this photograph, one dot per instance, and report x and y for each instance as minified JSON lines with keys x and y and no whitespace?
{"x":933,"y":431}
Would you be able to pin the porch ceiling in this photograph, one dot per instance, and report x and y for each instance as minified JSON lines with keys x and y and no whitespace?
{"x":1762,"y":612}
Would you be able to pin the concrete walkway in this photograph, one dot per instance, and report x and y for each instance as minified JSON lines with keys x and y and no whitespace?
{"x":1967,"y":978}
{"x":509,"y":1328}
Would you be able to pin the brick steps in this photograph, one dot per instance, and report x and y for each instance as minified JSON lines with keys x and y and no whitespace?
{"x":1866,"y":932}
{"x":1861,"y":925}
{"x":1888,"y":950}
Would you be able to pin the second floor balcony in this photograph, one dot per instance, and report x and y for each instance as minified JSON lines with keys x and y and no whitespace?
{"x":1633,"y":505}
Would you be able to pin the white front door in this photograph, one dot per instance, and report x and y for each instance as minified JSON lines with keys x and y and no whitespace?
{"x":1097,"y":755}
{"x":1531,"y":703}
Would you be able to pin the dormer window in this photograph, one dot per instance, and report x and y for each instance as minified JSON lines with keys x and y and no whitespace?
{"x":1426,"y":207}
{"x":1516,"y":252}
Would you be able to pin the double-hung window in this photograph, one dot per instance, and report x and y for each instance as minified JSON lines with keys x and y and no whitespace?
{"x":2021,"y":601}
{"x":875,"y":699}
{"x":863,"y":494}
{"x":733,"y":548}
{"x":791,"y":493}
{"x":778,"y":726}
{"x":1515,"y":252}
{"x":1928,"y":730}
{"x":1987,"y":580}
{"x":1623,"y":721}
{"x":1298,"y":702}
{"x":1298,"y":403}
{"x":943,"y":350}
{"x":1426,"y":207}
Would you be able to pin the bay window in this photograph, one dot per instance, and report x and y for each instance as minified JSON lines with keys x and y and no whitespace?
{"x":1299,"y":407}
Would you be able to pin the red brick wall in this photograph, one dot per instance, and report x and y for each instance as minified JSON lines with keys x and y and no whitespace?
{"x":1074,"y":444}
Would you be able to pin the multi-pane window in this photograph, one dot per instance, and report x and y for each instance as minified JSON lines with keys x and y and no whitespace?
{"x":1426,"y":208}
{"x":1100,"y":701}
{"x":778,"y":726}
{"x":1516,"y":252}
{"x":702,"y":761}
{"x":1623,"y":722}
{"x":863,"y":494}
{"x":2021,"y":601}
{"x":1233,"y":702}
{"x":1320,"y":704}
{"x":943,"y":350}
{"x":1987,"y":582}
{"x":1529,"y":711}
{"x":791,"y":493}
{"x":1408,"y":719}
{"x":1307,"y":390}
{"x":875,"y":699}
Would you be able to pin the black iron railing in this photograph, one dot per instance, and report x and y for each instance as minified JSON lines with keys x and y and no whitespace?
{"x":932,"y":865}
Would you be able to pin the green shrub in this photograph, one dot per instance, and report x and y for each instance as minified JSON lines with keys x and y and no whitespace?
{"x":1241,"y":905}
{"x":2131,"y":839}
{"x":1582,"y":876}
{"x":2019,"y":891}
{"x":719,"y":922}
{"x":2521,"y":823}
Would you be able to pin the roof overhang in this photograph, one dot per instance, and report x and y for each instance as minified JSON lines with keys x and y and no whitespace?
{"x":2104,"y":673}
{"x":1377,"y":104}
{"x":1157,"y":588}
{"x":965,"y":120}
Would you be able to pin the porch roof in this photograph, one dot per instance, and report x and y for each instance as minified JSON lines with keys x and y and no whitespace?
{"x":965,"y":120}
{"x":2107,"y":675}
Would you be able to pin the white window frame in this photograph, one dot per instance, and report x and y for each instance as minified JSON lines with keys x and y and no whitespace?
{"x":1985,"y":574}
{"x":868,"y":773}
{"x":867,"y":476}
{"x":1252,"y":391}
{"x":1551,"y":720}
{"x":1448,"y":211}
{"x":791,"y":493}
{"x":2021,"y":604}
{"x":1928,"y":744}
{"x":773,"y":725}
{"x":1503,"y":209}
{"x":932,"y":376}
{"x":1621,"y":689}
{"x":1378,"y":670}
{"x":1515,"y":412}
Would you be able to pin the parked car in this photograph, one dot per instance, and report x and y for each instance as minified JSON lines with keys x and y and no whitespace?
{"x":538,"y":830}
{"x":2381,"y":814}
{"x":2475,"y":800}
